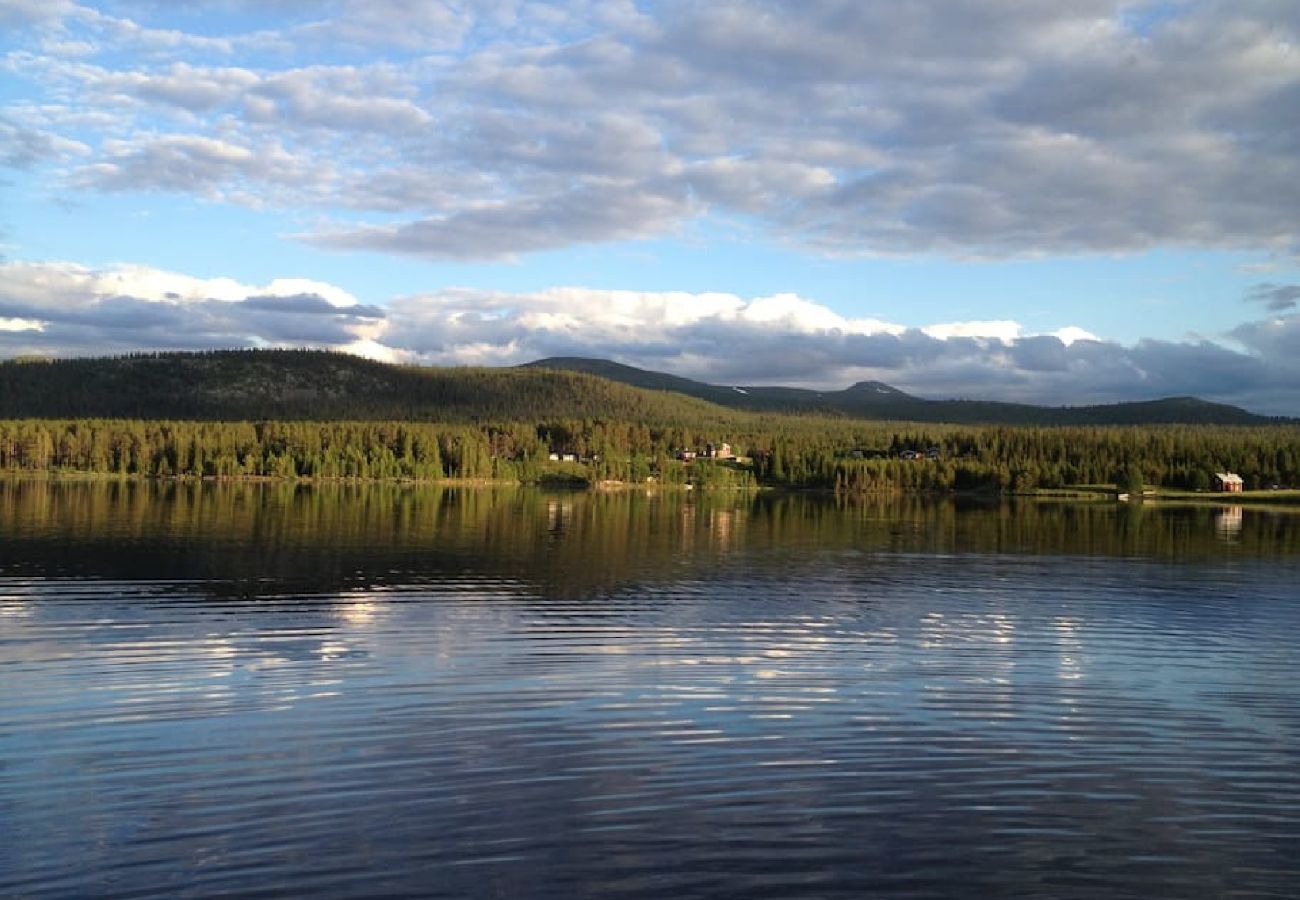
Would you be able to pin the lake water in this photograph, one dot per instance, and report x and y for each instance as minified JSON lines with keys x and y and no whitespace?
{"x":270,"y":691}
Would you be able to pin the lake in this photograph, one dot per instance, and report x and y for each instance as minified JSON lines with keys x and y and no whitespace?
{"x":385,"y":691}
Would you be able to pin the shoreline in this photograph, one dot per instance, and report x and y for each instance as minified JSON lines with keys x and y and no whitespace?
{"x":1284,"y":498}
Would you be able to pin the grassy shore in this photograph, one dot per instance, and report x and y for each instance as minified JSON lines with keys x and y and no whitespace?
{"x":1287,"y":497}
{"x":1281,"y":497}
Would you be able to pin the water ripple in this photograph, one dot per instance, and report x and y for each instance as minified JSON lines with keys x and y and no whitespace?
{"x":962,"y":724}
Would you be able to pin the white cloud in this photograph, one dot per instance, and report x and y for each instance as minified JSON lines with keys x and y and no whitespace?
{"x":1071,"y":333}
{"x":67,"y":285}
{"x":440,"y":326}
{"x":62,"y":308}
{"x":21,"y":324}
{"x":1002,"y":330}
{"x":787,"y":339}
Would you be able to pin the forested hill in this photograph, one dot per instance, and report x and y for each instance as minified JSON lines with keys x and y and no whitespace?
{"x":874,"y":400}
{"x":308,"y":414}
{"x":319,"y":385}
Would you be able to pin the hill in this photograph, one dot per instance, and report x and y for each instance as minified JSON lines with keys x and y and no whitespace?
{"x":879,"y":401}
{"x":320,"y":385}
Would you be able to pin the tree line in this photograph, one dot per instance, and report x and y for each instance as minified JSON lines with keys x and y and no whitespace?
{"x":794,"y":452}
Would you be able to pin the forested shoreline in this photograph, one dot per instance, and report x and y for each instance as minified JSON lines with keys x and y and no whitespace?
{"x":775,"y":451}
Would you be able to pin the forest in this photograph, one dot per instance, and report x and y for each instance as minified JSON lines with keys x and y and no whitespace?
{"x":295,"y":385}
{"x":253,"y":385}
{"x":778,"y":451}
{"x":312,"y":415}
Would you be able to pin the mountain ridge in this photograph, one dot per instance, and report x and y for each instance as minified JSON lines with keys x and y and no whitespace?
{"x":322,"y":385}
{"x":877,"y":400}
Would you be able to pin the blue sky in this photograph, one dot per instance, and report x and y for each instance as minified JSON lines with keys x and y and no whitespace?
{"x":1083,"y":201}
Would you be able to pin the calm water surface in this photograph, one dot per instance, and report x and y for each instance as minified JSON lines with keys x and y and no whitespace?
{"x":273,"y":691}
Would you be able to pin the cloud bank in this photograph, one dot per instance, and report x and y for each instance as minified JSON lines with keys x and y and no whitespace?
{"x":474,"y":130}
{"x":65,"y":309}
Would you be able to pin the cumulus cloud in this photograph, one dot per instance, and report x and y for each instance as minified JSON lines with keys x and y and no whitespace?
{"x":723,"y":338}
{"x":1275,"y":338}
{"x":67,"y":309}
{"x":964,"y":127}
{"x":787,"y":339}
{"x":1004,"y":331}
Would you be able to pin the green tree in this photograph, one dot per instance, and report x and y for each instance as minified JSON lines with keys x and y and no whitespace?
{"x":1130,"y":480}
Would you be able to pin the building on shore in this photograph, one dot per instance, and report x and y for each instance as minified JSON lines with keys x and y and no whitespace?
{"x":1228,"y":483}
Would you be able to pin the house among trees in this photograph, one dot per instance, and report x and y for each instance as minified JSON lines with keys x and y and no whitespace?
{"x":711,"y":451}
{"x":869,"y":453}
{"x":1228,"y":483}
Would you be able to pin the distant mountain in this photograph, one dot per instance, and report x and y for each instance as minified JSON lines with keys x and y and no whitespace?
{"x":875,"y":387}
{"x":876,"y":400}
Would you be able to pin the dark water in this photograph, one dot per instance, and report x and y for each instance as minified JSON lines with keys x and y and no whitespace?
{"x":269,"y":691}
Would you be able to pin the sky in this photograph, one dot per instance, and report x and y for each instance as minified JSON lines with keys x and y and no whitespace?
{"x":1081,"y":201}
